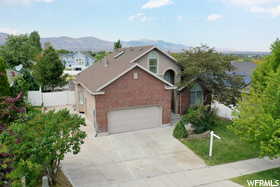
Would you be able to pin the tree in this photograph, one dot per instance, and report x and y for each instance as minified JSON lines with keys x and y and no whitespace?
{"x":4,"y":84}
{"x":18,"y":50}
{"x":34,"y":39}
{"x":24,"y":83}
{"x":49,"y":70}
{"x":264,"y":70}
{"x":39,"y":143}
{"x":47,"y":45}
{"x":205,"y":64}
{"x":258,"y":116}
{"x":117,"y":45}
{"x":63,"y":51}
{"x":98,"y":55}
{"x":11,"y":109}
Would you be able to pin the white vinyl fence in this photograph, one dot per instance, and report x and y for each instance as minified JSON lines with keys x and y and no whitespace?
{"x":36,"y":98}
{"x":222,"y":110}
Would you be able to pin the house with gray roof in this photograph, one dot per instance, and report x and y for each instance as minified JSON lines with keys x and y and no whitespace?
{"x":77,"y":61}
{"x":245,"y":69}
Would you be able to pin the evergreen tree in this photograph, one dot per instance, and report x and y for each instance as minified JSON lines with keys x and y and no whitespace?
{"x":49,"y":70}
{"x":4,"y":84}
{"x":34,"y":39}
{"x":117,"y":45}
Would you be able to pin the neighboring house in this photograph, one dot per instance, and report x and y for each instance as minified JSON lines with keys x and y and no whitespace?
{"x":77,"y":61}
{"x":132,"y":89}
{"x":244,"y":69}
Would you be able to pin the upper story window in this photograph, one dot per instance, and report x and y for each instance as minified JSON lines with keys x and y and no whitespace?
{"x":153,"y":62}
{"x":79,"y":61}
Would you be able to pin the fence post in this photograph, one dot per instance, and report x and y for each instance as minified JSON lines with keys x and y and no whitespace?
{"x":45,"y":181}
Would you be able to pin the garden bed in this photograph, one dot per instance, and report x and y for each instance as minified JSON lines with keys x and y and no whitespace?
{"x":229,"y":149}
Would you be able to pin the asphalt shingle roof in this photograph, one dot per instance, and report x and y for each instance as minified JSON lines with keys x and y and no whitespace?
{"x":110,"y":67}
{"x":245,"y":69}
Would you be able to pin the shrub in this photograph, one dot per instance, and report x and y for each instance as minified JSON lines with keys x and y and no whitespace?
{"x":180,"y":131}
{"x":4,"y":84}
{"x":202,"y":118}
{"x":39,"y":142}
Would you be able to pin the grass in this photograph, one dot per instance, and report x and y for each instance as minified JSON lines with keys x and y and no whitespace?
{"x":272,"y":174}
{"x":36,"y":109}
{"x":229,"y":149}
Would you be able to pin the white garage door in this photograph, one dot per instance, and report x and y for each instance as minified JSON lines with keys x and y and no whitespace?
{"x":134,"y":119}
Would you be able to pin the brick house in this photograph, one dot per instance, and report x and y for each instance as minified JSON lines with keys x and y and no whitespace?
{"x":132,"y":89}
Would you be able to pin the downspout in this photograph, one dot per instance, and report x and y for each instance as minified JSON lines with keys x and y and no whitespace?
{"x":180,"y":103}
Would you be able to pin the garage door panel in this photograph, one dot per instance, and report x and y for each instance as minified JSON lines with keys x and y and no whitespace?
{"x":134,"y":119}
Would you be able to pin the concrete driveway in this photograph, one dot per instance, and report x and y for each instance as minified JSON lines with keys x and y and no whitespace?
{"x":131,"y":159}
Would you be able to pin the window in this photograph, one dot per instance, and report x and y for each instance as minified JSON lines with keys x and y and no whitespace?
{"x":135,"y":75}
{"x":81,"y":98}
{"x":169,"y":76}
{"x":196,"y":95}
{"x":153,"y":62}
{"x":79,"y":61}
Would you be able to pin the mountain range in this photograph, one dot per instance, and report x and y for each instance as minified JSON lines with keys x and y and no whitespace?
{"x":96,"y":44}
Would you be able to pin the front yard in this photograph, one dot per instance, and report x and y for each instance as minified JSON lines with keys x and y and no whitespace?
{"x":229,"y":149}
{"x":268,"y":175}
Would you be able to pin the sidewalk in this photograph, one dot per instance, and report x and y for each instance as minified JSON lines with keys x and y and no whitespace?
{"x":227,"y":171}
{"x":212,"y":176}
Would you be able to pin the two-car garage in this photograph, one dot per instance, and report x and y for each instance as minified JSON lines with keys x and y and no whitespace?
{"x":132,"y":119}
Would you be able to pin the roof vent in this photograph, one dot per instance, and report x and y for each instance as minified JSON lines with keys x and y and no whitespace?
{"x":119,"y":54}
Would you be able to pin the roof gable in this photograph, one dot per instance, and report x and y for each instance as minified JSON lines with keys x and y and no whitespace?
{"x":129,"y":69}
{"x":102,"y":73}
{"x":150,"y":50}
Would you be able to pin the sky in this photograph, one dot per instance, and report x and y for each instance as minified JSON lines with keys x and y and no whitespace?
{"x":223,"y":24}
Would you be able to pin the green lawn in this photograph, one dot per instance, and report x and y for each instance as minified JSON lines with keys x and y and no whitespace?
{"x":272,"y":174}
{"x":229,"y":149}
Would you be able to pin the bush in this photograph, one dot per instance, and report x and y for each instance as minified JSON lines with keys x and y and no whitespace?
{"x":180,"y":131}
{"x":202,"y":118}
{"x":4,"y":84}
{"x":39,"y":142}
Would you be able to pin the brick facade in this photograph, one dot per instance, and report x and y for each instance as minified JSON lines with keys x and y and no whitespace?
{"x":129,"y":92}
{"x":184,"y":101}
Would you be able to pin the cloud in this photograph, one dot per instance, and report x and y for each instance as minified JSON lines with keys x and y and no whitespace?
{"x":157,"y":3}
{"x":9,"y":31}
{"x":251,"y":2}
{"x":180,"y":18}
{"x":271,"y":7}
{"x":139,"y":17}
{"x":16,"y":2}
{"x":274,"y":11}
{"x":214,"y":17}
